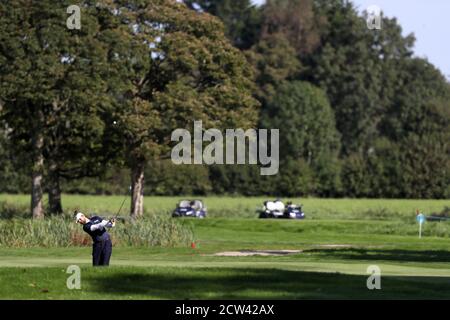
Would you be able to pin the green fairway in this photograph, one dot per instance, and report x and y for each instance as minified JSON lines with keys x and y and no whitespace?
{"x":337,"y":243}
{"x":194,"y":274}
{"x":238,"y":282}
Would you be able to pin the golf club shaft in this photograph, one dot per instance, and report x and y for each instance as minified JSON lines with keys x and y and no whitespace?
{"x":118,"y":212}
{"x":123,"y":202}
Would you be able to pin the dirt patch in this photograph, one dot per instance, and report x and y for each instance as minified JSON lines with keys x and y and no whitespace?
{"x":246,"y":253}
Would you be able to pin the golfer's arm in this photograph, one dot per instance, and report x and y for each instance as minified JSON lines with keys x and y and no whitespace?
{"x":101,"y":225}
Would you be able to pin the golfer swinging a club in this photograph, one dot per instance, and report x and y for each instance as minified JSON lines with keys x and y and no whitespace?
{"x":96,"y":228}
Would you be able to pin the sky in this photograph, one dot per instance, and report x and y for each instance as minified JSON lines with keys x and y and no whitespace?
{"x":428,"y":20}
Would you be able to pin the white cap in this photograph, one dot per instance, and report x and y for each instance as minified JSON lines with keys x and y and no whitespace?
{"x":78,"y":216}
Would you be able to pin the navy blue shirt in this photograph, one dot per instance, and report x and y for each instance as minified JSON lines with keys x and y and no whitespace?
{"x":99,"y":234}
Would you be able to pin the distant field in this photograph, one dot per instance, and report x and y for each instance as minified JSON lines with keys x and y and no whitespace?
{"x":246,"y":206}
{"x":338,"y":241}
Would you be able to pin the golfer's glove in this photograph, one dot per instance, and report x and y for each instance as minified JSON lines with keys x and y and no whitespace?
{"x":112,"y":222}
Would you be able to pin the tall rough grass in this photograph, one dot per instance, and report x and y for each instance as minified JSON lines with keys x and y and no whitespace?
{"x":10,"y":210}
{"x":63,"y":232}
{"x":154,"y":230}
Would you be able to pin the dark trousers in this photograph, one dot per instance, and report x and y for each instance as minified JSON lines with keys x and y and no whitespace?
{"x":101,"y":253}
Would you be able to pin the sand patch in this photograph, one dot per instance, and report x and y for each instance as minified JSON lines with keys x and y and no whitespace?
{"x":334,"y":246}
{"x":246,"y":253}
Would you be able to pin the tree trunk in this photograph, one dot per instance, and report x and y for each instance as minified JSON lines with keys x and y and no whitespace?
{"x":137,"y":190}
{"x":37,"y":208}
{"x":54,"y":190}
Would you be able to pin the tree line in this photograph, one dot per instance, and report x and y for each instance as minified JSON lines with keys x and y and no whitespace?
{"x":359,"y":115}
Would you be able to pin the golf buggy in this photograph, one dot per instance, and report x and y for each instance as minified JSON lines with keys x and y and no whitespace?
{"x":190,"y":208}
{"x":277,"y":209}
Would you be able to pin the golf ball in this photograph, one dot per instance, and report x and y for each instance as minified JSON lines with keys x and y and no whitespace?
{"x":115,"y":122}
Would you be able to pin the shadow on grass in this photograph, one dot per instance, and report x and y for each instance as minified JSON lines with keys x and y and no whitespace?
{"x":236,"y":283}
{"x":384,"y":254}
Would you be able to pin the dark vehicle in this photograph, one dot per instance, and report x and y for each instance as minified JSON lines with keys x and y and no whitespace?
{"x":277,"y":209}
{"x":190,"y":208}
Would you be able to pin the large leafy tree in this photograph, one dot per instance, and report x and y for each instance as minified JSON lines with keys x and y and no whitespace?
{"x":290,"y":30}
{"x":296,"y":20}
{"x":411,"y":156}
{"x":52,"y":87}
{"x":419,"y":122}
{"x":178,"y":67}
{"x":307,"y":132}
{"x":242,"y":19}
{"x":274,"y":61}
{"x":306,"y":121}
{"x":383,"y":99}
{"x":357,"y":68}
{"x":11,"y":169}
